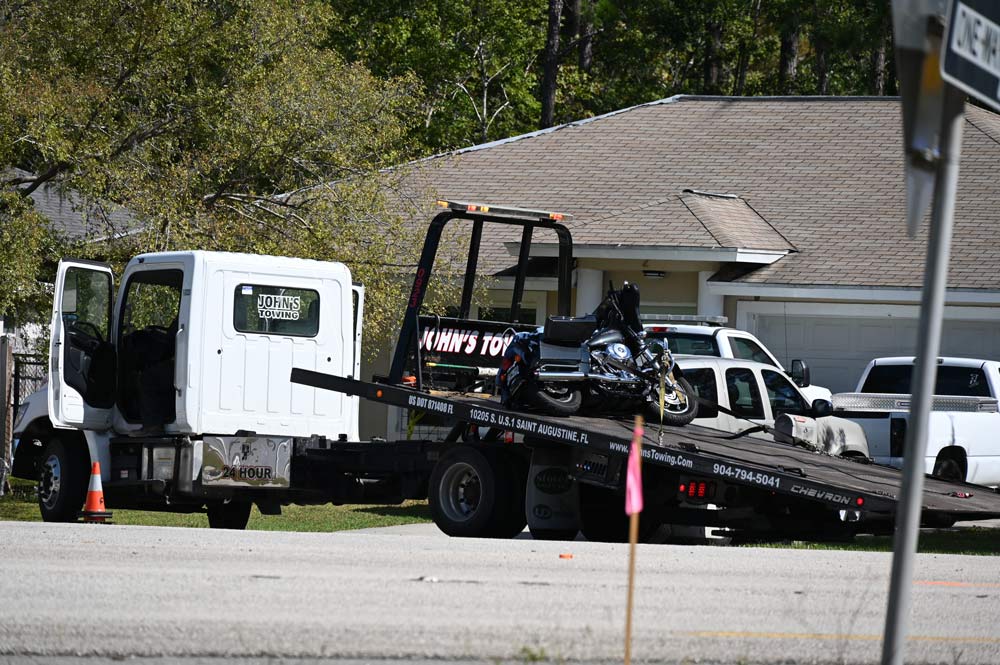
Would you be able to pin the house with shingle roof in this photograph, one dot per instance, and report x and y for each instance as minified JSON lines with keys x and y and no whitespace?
{"x":73,"y":217}
{"x":785,"y":214}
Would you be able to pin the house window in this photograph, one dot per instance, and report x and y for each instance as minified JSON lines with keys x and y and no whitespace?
{"x":646,"y":309}
{"x":276,"y":310}
{"x":533,"y":307}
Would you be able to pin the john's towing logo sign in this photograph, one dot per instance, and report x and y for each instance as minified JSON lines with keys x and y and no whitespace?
{"x":468,"y":342}
{"x":278,"y":307}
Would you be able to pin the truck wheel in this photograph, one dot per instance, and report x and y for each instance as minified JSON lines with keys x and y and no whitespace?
{"x":945,"y":468}
{"x":603,"y":518}
{"x":466,"y":496}
{"x":676,"y":413}
{"x":62,"y":481}
{"x":512,"y":477}
{"x":231,"y":515}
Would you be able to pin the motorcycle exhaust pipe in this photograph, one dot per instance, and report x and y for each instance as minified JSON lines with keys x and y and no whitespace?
{"x":580,"y":376}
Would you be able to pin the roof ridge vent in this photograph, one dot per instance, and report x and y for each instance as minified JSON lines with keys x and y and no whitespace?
{"x":720,"y":195}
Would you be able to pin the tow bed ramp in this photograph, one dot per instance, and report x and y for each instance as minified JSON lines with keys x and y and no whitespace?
{"x":602,"y":446}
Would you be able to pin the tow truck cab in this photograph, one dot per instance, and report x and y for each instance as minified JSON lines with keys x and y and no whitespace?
{"x":197,"y":346}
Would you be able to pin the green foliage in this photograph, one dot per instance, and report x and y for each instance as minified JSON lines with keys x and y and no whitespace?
{"x":24,"y":241}
{"x":218,"y":125}
{"x":477,"y":61}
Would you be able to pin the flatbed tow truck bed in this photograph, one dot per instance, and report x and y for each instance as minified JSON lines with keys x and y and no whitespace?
{"x":562,"y":475}
{"x":600,"y":448}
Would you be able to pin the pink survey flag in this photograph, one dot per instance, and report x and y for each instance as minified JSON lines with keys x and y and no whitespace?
{"x":633,"y":478}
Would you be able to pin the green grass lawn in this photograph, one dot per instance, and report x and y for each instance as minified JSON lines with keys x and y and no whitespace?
{"x":971,"y":540}
{"x":21,"y":505}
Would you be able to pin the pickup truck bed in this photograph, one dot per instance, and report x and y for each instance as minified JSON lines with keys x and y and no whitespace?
{"x":600,"y":448}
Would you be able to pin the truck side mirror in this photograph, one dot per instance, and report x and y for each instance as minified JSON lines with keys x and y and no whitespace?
{"x":821,"y":408}
{"x":800,"y":373}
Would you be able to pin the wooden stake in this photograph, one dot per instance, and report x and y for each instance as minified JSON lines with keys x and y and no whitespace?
{"x":633,"y":536}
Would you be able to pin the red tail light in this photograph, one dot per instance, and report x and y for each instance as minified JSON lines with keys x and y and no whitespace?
{"x":698,"y":489}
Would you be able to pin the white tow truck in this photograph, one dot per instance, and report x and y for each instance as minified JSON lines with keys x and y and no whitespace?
{"x":216,"y":381}
{"x":179,"y":389}
{"x":963,"y":442}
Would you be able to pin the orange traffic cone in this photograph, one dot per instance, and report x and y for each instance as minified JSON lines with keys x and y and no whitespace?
{"x":93,"y":510}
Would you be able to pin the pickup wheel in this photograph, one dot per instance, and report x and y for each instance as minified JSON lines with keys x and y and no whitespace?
{"x":230,"y":515}
{"x":62,"y":481}
{"x":945,"y":468}
{"x":469,"y":495}
{"x":948,"y":468}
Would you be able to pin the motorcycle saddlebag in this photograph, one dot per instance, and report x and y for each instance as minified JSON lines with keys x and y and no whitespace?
{"x":569,"y":330}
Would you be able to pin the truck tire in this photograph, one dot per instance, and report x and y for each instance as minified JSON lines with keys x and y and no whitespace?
{"x":230,"y":515}
{"x":948,"y":468}
{"x":512,"y":484}
{"x":603,"y":518}
{"x":675,"y":413}
{"x":470,"y":495}
{"x":62,"y":481}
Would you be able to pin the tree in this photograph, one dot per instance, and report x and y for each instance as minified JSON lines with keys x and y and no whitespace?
{"x":476,"y":61}
{"x":551,"y":63}
{"x":219,"y":125}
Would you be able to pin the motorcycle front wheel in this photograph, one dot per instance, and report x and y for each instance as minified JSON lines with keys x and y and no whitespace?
{"x":678,"y":409}
{"x":557,"y":400}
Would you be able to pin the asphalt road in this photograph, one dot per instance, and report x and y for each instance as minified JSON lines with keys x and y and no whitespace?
{"x":93,"y":593}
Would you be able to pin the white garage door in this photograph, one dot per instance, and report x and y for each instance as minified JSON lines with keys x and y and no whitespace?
{"x":837,"y":348}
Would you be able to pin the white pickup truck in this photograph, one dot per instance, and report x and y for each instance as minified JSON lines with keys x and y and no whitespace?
{"x":962,"y":444}
{"x":756,"y":393}
{"x":706,"y":336}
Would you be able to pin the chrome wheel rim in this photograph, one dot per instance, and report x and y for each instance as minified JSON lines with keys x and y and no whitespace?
{"x":50,"y":481}
{"x":461,"y":492}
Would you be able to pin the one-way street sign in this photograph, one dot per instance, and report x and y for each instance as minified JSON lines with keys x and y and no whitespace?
{"x":970,"y":59}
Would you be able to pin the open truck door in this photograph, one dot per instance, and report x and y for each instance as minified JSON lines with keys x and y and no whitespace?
{"x":81,"y":356}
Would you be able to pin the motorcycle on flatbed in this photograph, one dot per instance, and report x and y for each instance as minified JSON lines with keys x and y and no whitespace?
{"x":601,"y":363}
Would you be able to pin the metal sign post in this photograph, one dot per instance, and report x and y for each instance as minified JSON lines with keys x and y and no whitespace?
{"x":937,"y":61}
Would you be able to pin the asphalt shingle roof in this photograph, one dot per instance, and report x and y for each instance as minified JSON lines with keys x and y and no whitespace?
{"x":820,"y":175}
{"x":70,"y":215}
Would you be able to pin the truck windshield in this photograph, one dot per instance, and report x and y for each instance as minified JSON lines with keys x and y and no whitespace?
{"x":961,"y":381}
{"x":688,"y":343}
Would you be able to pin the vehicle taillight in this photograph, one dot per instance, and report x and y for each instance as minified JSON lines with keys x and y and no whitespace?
{"x":698,"y":489}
